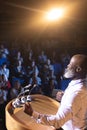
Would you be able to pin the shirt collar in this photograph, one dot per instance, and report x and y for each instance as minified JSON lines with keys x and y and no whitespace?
{"x":78,"y":81}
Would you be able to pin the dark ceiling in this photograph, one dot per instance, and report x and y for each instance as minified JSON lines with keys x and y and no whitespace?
{"x":18,"y":18}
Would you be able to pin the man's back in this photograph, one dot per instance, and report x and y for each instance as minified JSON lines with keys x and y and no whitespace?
{"x":75,"y":100}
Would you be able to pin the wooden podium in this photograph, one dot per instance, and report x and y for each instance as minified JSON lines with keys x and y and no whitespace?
{"x":16,"y":119}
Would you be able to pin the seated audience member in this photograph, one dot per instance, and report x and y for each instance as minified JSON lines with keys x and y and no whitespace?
{"x":42,"y":58}
{"x":4,"y":52}
{"x":32,"y":69}
{"x":15,"y":90}
{"x":2,"y":110}
{"x":72,"y":113}
{"x":48,"y":67}
{"x":58,"y":69}
{"x":5,"y":71}
{"x":49,"y":64}
{"x":29,"y":58}
{"x":48,"y":79}
{"x":19,"y":57}
{"x":19,"y":72}
{"x":4,"y":55}
{"x":5,"y":87}
{"x":65,"y":58}
{"x":49,"y":83}
{"x":35,"y":82}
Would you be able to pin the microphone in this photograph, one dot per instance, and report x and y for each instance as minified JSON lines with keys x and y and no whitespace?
{"x":17,"y":102}
{"x":29,"y":97}
{"x":32,"y":88}
{"x":22,"y":93}
{"x":27,"y":86}
{"x":34,"y":85}
{"x":23,"y":98}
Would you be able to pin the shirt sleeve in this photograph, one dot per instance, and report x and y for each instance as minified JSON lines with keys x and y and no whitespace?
{"x":64,"y":113}
{"x":62,"y":116}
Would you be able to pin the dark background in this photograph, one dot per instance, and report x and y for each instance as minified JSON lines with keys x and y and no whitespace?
{"x":20,"y":20}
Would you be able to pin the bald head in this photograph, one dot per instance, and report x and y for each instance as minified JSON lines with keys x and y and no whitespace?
{"x":77,"y":67}
{"x":80,"y":60}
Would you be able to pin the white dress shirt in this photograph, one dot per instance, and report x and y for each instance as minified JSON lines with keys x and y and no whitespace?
{"x":72,"y":113}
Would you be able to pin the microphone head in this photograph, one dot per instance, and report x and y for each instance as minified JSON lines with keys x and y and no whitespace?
{"x":28,"y":86}
{"x":19,"y":101}
{"x":27,"y":90}
{"x":34,"y":85}
{"x":23,"y":99}
{"x":16,"y":103}
{"x":28,"y":98}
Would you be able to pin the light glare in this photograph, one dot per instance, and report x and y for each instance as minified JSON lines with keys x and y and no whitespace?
{"x":55,"y":14}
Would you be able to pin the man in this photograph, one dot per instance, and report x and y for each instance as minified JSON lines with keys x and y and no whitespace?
{"x":72,"y":113}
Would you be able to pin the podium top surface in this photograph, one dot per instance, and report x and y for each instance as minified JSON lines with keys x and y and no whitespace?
{"x":16,"y":119}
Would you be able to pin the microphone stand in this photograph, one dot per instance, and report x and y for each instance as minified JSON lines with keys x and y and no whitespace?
{"x":19,"y":101}
{"x":32,"y":88}
{"x":29,"y":97}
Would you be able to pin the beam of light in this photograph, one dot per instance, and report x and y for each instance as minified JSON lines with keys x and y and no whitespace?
{"x":26,"y":8}
{"x":55,"y":14}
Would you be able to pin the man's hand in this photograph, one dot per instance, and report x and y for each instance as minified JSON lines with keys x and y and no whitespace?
{"x":28,"y":109}
{"x":59,"y":95}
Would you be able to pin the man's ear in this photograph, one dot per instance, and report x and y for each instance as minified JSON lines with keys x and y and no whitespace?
{"x":78,"y":69}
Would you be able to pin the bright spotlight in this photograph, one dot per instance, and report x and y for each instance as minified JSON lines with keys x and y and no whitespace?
{"x":55,"y":14}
